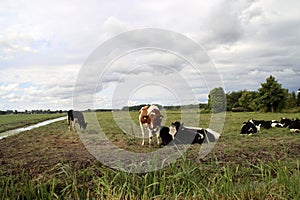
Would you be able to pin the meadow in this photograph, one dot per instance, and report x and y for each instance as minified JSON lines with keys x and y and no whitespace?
{"x":51,"y":163}
{"x":8,"y":122}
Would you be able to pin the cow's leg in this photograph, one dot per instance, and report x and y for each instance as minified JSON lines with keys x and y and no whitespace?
{"x":69,"y":125}
{"x":143,"y":133}
{"x":158,"y":136}
{"x":73,"y":124}
{"x":150,"y":136}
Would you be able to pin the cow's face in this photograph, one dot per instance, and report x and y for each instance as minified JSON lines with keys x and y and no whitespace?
{"x":155,"y":120}
{"x":144,"y":117}
{"x":176,"y":125}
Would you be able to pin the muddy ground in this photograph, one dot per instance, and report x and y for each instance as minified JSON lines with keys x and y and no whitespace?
{"x":38,"y":151}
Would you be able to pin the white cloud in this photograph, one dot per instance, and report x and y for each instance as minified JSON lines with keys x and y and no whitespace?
{"x":44,"y":44}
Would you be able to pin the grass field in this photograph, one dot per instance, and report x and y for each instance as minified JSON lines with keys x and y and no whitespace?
{"x":8,"y":122}
{"x":51,"y":163}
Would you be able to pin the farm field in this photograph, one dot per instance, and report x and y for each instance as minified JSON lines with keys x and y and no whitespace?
{"x":50,"y":162}
{"x":8,"y":122}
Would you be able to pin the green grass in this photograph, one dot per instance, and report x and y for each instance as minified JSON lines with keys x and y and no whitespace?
{"x":181,"y":180}
{"x":262,"y":166}
{"x":8,"y":122}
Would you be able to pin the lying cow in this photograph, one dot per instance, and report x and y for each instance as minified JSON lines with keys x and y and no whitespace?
{"x":276,"y":124}
{"x":261,"y":123}
{"x":189,"y":136}
{"x":76,"y":117}
{"x":167,"y":134}
{"x":249,"y":128}
{"x":181,"y":135}
{"x":150,"y":118}
{"x":295,"y":126}
{"x":285,"y":122}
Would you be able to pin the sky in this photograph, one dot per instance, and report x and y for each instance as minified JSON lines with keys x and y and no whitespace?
{"x":47,"y":47}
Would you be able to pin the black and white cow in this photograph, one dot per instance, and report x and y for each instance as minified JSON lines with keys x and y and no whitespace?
{"x":186,"y":135}
{"x":179,"y":134}
{"x":248,"y":128}
{"x":261,"y":123}
{"x":167,"y":134}
{"x":295,"y":126}
{"x":286,"y":122}
{"x":76,"y":117}
{"x":276,"y":124}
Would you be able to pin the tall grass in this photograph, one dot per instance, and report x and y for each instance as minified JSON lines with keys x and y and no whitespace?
{"x":181,"y":180}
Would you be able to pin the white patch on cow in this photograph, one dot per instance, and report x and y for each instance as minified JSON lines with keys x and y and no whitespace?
{"x":216,"y":134}
{"x":151,"y":108}
{"x":295,"y":130}
{"x":172,"y":131}
{"x":276,"y":124}
{"x":258,"y":128}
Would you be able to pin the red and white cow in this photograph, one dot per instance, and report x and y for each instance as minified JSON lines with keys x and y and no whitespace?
{"x":150,"y":118}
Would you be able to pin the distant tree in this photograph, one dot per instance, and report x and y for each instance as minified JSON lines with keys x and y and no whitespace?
{"x":232,"y":99}
{"x":217,"y":100}
{"x":248,"y":100}
{"x":271,"y":95}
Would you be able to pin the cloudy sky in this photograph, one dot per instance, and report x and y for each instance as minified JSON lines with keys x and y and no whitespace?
{"x":45,"y":45}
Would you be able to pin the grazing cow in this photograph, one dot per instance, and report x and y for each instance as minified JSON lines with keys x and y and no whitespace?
{"x":76,"y":117}
{"x":248,"y":128}
{"x":295,"y":126}
{"x":150,"y":117}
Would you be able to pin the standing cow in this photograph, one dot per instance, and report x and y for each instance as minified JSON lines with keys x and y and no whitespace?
{"x":76,"y":117}
{"x":150,"y":118}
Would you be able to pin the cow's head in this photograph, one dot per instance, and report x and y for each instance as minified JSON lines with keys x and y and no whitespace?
{"x":144,"y":110}
{"x":177,"y":125}
{"x":144,"y":117}
{"x":84,"y":125}
{"x":155,"y":119}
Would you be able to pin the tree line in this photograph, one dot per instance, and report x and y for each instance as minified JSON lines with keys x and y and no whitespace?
{"x":270,"y":97}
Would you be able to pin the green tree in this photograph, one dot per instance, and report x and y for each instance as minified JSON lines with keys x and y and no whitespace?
{"x":232,"y":99}
{"x":217,"y":100}
{"x":248,"y":100}
{"x":291,"y":101}
{"x":271,"y":95}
